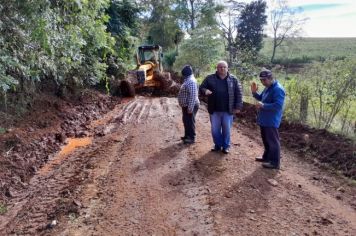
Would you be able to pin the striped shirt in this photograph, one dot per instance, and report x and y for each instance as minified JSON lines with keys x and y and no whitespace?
{"x":188,"y":93}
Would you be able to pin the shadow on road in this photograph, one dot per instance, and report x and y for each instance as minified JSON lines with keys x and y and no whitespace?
{"x":162,"y":156}
{"x":251,"y":194}
{"x":196,"y":172}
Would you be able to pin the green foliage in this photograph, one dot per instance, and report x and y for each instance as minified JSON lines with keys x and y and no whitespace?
{"x":325,"y":92}
{"x":195,"y":13}
{"x":334,"y":85}
{"x":164,"y":33}
{"x":53,"y":39}
{"x":208,"y":14}
{"x":3,"y":209}
{"x":169,"y":58}
{"x":203,"y":49}
{"x":123,"y":17}
{"x":160,"y":26}
{"x":250,"y":27}
{"x":295,"y":86}
{"x":124,"y":25}
{"x":2,"y":130}
{"x":243,"y":65}
{"x":306,"y":50}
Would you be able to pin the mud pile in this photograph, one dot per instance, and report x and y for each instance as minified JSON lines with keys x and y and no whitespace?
{"x":319,"y":146}
{"x":31,"y":141}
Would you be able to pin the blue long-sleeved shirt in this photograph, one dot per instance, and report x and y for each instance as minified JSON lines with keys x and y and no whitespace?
{"x":270,"y":114}
{"x":188,"y":94}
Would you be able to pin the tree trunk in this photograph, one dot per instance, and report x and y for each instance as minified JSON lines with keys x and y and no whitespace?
{"x":274,"y":51}
{"x":192,"y":16}
{"x":304,"y":103}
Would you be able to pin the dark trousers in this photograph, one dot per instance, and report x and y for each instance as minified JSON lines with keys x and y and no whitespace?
{"x":270,"y":138}
{"x":189,"y":122}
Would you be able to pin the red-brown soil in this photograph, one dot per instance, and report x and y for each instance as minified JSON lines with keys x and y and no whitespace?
{"x":131,"y":175}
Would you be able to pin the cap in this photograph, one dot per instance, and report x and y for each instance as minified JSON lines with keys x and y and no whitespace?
{"x":187,"y":71}
{"x":266,"y":73}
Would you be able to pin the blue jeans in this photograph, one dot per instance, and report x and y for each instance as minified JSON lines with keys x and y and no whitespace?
{"x":221,"y":123}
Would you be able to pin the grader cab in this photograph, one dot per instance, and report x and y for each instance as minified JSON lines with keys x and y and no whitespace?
{"x":149,"y":73}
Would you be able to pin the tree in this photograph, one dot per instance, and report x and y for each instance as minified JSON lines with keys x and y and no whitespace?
{"x":226,"y":21}
{"x":196,"y":13}
{"x":239,"y":59}
{"x":123,"y":17}
{"x":208,"y":14}
{"x":124,"y":26}
{"x":286,"y":23}
{"x":250,"y":26}
{"x":201,"y":50}
{"x":163,"y":28}
{"x":53,"y":40}
{"x":187,"y":12}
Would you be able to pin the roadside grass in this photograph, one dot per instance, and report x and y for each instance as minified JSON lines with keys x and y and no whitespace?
{"x":2,"y":130}
{"x":3,"y":208}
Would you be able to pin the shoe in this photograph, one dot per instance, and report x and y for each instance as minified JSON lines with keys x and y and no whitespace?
{"x":188,"y":141}
{"x":215,"y":149}
{"x":260,"y":159}
{"x":269,"y":166}
{"x":182,"y":138}
{"x":225,"y":151}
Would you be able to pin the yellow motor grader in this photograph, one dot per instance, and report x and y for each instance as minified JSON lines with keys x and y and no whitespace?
{"x":149,"y":73}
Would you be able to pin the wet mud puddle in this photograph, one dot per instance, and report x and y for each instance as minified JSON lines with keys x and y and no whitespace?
{"x":72,"y":145}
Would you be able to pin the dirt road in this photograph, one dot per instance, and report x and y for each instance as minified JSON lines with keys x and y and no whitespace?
{"x":135,"y":177}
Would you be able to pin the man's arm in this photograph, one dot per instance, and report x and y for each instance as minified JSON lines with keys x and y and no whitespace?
{"x":278,"y":101}
{"x":204,"y":88}
{"x":238,"y":96}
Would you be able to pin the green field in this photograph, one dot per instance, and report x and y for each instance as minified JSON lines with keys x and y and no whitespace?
{"x":305,"y":50}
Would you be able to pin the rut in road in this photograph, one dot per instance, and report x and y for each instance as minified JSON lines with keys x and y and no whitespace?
{"x":159,"y":186}
{"x":139,"y":179}
{"x":144,"y":193}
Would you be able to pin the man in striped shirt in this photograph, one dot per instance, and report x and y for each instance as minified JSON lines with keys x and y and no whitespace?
{"x":189,"y":101}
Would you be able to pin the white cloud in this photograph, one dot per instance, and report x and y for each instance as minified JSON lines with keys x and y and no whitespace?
{"x":327,"y":18}
{"x":338,"y":21}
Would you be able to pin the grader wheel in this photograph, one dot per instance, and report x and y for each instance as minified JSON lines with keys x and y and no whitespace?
{"x":127,"y":89}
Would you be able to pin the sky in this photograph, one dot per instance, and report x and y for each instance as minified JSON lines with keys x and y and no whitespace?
{"x":328,"y":18}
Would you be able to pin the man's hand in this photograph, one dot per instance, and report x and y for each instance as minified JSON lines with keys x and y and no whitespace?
{"x":208,"y":92}
{"x":254,"y":87}
{"x":259,"y":105}
{"x":236,"y":111}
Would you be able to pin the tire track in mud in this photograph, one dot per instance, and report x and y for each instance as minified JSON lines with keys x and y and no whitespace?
{"x":142,"y":109}
{"x":152,"y":202}
{"x":51,"y":193}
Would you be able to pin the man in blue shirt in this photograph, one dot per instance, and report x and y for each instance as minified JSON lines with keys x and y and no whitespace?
{"x":189,"y":101}
{"x":270,"y":109}
{"x":224,"y":94}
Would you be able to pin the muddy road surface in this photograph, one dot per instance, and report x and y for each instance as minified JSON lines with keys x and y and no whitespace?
{"x":132,"y":175}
